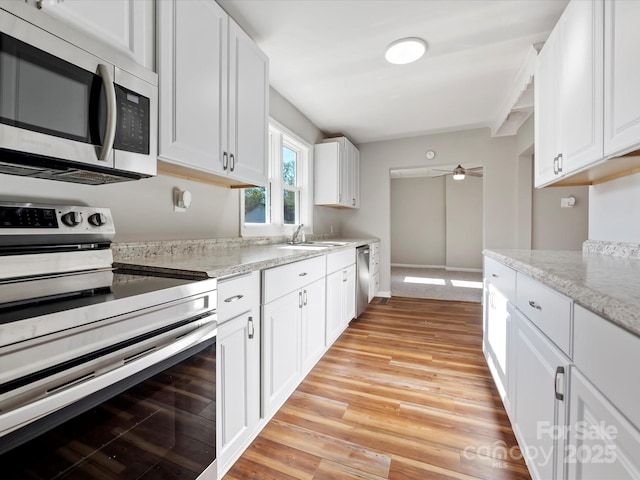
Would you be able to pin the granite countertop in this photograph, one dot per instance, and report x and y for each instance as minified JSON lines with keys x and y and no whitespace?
{"x":217,"y":258}
{"x":607,"y":284}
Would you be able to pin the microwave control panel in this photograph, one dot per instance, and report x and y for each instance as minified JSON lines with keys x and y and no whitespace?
{"x":133,"y":121}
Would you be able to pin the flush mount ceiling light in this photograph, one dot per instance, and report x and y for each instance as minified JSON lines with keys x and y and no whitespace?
{"x":405,"y":50}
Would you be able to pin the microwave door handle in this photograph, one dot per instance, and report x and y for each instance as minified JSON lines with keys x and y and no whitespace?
{"x":110,"y":131}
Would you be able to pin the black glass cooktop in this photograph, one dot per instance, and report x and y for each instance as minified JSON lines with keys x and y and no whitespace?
{"x":36,"y":297}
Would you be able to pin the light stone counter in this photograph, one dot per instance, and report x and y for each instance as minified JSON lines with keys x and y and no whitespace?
{"x":608,"y":285}
{"x":217,"y":258}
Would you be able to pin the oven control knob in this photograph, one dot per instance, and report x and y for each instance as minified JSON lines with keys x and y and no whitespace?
{"x":98,"y":219}
{"x":72,"y":219}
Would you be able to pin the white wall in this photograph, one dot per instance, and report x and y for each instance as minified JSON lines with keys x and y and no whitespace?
{"x":464,"y":223}
{"x":418,"y":232}
{"x":143,"y":210}
{"x":498,"y":156}
{"x":613,"y":208}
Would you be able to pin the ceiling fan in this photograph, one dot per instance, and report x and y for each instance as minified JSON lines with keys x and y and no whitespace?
{"x":459,"y":172}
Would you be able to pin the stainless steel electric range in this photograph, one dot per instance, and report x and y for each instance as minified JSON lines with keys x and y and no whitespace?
{"x":104,"y":373}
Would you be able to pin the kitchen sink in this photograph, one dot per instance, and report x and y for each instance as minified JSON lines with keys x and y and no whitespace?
{"x":304,"y":246}
{"x":329,"y":243}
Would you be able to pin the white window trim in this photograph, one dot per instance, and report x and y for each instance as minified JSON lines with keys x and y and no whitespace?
{"x":305,"y":175}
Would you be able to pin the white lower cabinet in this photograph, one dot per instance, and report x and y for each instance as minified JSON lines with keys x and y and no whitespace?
{"x":237,"y":367}
{"x":374,"y":270}
{"x":603,"y":443}
{"x":497,"y":330}
{"x":313,"y":324}
{"x":341,"y":292}
{"x":293,"y":325}
{"x":281,"y":350}
{"x":570,"y":381}
{"x":538,"y":388}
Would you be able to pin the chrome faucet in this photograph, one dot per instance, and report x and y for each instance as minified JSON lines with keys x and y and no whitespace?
{"x":294,"y":237}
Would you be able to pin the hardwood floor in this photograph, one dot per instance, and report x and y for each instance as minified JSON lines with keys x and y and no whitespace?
{"x":404,"y":393}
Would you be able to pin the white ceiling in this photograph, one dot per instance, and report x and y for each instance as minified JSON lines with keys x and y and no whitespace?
{"x":327,"y":58}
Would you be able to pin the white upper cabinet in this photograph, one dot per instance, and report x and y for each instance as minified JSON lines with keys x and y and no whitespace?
{"x":569,"y":94}
{"x":213,"y":95}
{"x":248,"y":108}
{"x":547,"y":116}
{"x":622,"y":77}
{"x":337,"y":173}
{"x":128,"y":25}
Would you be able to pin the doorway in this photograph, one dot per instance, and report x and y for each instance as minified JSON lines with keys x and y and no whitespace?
{"x":436,"y":234}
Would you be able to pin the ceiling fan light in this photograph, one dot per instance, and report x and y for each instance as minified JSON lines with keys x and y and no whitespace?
{"x":458,"y":173}
{"x":405,"y":50}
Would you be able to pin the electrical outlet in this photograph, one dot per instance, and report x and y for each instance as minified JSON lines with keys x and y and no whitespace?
{"x":567,"y":202}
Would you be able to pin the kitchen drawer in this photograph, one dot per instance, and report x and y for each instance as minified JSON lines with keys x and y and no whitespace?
{"x":237,"y":295}
{"x":615,"y":374}
{"x":288,"y":278}
{"x":341,"y":259}
{"x":502,"y":277}
{"x":548,"y":310}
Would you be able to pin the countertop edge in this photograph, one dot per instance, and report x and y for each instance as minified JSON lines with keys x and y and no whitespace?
{"x":223,"y":272}
{"x":612,"y":309}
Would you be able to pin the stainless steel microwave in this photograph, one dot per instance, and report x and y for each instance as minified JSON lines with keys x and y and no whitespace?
{"x":67,"y":114}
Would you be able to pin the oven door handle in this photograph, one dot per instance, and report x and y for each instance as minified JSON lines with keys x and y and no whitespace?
{"x":76,"y":390}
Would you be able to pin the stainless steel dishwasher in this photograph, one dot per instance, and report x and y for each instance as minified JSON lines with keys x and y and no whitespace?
{"x":362,"y":279}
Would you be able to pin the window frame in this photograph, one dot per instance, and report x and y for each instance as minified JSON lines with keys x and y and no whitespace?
{"x":280,"y":136}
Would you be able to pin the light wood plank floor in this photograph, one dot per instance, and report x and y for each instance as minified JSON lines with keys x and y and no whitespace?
{"x":404,"y":393}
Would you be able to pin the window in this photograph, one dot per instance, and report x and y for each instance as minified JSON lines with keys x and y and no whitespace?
{"x":287,"y":201}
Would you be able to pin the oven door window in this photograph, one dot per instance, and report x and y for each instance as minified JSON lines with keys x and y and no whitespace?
{"x":45,"y":94}
{"x":161,"y":427}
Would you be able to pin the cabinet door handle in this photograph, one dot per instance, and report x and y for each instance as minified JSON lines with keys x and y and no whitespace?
{"x":560,"y":162}
{"x":344,"y":275}
{"x":304,"y":298}
{"x":555,"y":165}
{"x":235,"y":298}
{"x":251,"y":328}
{"x":303,"y":274}
{"x":533,"y":304}
{"x":300,"y":299}
{"x":225,"y":160}
{"x":559,"y":371}
{"x":232,"y":164}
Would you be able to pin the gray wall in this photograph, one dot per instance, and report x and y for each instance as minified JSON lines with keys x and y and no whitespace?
{"x":143,"y":210}
{"x":556,"y":228}
{"x":498,"y":155}
{"x":464,"y":223}
{"x":418,"y":223}
{"x":542,"y":223}
{"x":436,"y":222}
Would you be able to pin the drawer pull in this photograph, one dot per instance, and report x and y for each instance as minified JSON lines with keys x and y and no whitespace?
{"x":559,"y":371}
{"x":303,"y":274}
{"x":533,"y":304}
{"x":494,"y":275}
{"x":235,"y":298}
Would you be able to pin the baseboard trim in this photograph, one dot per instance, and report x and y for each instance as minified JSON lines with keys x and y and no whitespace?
{"x":437,"y":267}
{"x":407,"y":265}
{"x":383,"y":294}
